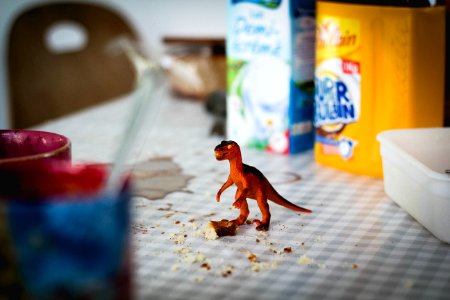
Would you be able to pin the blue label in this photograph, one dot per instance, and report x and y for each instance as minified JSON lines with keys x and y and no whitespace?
{"x":333,"y":104}
{"x":254,"y":35}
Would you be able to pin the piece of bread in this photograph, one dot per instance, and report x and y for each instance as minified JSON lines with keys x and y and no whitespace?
{"x":216,"y":229}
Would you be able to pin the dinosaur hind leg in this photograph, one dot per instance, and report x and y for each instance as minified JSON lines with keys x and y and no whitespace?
{"x":243,"y":206}
{"x":263,"y":225}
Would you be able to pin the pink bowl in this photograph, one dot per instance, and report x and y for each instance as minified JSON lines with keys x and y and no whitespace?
{"x":27,"y":146}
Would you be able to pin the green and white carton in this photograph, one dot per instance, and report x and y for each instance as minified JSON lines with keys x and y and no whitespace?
{"x":270,"y":73}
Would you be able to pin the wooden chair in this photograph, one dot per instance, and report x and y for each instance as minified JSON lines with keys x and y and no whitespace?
{"x":44,"y":83}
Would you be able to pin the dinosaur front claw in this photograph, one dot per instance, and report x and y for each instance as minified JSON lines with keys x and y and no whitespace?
{"x":238,"y":203}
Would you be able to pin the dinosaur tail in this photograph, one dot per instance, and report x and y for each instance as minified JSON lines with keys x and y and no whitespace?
{"x":280,"y":200}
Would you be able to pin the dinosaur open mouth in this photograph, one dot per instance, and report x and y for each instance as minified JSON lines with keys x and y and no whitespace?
{"x":220,"y":155}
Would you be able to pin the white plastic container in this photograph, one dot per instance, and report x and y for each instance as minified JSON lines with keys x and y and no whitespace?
{"x":414,"y":168}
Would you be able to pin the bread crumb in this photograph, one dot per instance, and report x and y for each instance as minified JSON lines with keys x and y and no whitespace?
{"x":227,"y":270}
{"x":206,"y":266}
{"x":287,"y":250}
{"x":183,"y":250}
{"x":305,"y":260}
{"x":193,"y":225}
{"x":251,"y":257}
{"x":199,"y":232}
{"x":260,"y":266}
{"x":354,"y":266}
{"x":256,"y":265}
{"x":198,"y":279}
{"x":175,"y":268}
{"x":210,"y":233}
{"x":308,"y":261}
{"x":191,"y":258}
{"x":178,"y":238}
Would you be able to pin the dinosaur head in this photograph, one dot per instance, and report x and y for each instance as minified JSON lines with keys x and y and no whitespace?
{"x":226,"y":150}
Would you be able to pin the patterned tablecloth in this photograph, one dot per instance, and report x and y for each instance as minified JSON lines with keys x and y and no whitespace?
{"x":357,"y":243}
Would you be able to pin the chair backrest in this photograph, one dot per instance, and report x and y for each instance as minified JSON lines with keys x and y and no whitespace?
{"x":45,"y":83}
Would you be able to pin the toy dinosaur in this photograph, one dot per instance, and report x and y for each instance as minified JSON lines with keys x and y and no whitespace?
{"x":251,"y":183}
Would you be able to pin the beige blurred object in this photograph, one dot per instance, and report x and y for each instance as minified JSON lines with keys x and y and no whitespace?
{"x":195,"y":67}
{"x":58,"y":60}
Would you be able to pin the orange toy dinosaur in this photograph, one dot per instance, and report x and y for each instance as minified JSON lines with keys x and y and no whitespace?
{"x":251,"y":183}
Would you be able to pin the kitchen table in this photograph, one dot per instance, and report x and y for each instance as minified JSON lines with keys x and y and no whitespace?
{"x":357,"y":243}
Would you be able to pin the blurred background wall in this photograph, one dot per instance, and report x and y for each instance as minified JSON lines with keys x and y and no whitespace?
{"x":152,"y":19}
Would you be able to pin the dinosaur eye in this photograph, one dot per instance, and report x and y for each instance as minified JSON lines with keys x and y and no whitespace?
{"x":229,"y":146}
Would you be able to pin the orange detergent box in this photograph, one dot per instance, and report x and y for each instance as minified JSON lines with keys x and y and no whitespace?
{"x":378,"y":67}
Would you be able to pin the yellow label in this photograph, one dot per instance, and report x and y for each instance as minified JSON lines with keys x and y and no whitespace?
{"x":338,"y":37}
